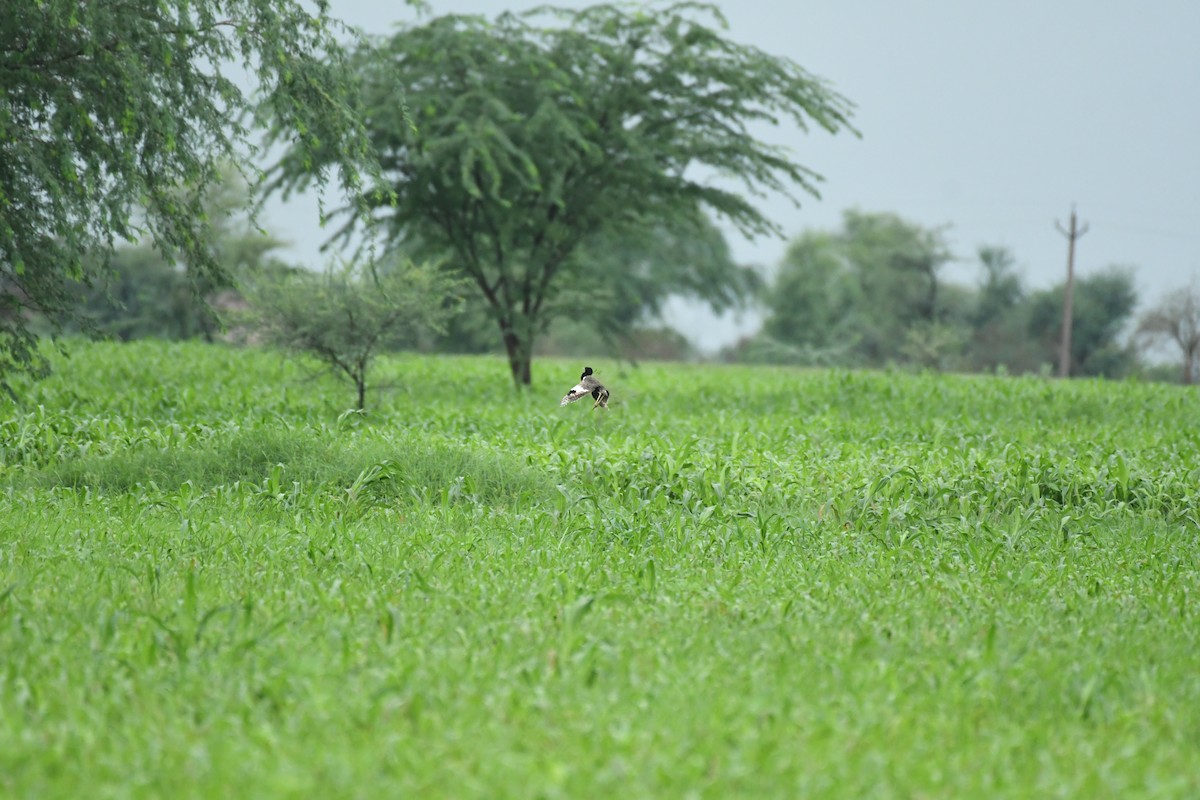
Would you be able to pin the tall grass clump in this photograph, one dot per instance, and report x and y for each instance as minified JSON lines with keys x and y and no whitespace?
{"x":303,"y":460}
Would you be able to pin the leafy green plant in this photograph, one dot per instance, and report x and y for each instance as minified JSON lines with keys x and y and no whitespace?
{"x":349,"y":314}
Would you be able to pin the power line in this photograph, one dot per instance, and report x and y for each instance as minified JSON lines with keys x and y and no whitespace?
{"x":1158,"y":232}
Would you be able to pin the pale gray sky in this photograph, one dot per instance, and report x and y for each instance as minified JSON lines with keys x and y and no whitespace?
{"x":991,"y":119}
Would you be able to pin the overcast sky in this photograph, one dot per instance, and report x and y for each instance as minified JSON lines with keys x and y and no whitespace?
{"x":990,"y":119}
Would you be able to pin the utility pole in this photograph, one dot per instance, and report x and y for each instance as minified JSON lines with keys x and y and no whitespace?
{"x":1064,"y":351}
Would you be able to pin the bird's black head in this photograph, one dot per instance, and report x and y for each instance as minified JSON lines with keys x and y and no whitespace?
{"x":586,"y":371}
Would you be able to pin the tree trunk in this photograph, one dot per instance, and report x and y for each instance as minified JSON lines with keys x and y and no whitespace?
{"x":520,"y":357}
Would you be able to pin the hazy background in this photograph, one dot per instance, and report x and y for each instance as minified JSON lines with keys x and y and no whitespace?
{"x":990,"y":120}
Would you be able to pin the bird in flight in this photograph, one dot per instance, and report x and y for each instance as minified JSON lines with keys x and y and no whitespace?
{"x":588,"y":385}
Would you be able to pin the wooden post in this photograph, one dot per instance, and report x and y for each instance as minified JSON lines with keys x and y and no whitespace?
{"x":1064,"y":348}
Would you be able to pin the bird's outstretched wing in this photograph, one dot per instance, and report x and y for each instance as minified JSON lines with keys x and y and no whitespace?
{"x":575,"y":393}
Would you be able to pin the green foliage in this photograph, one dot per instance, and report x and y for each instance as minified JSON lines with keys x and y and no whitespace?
{"x":870,"y":295}
{"x":740,"y":582}
{"x":1103,"y":305}
{"x":1000,"y":292}
{"x":142,"y":295}
{"x":625,"y":276}
{"x":109,"y":110}
{"x":616,"y":297}
{"x":999,"y":321}
{"x":897,"y":264}
{"x":282,"y":461}
{"x":815,"y":301}
{"x":537,"y":137}
{"x":579,"y":339}
{"x":347,"y":315}
{"x":869,"y":292}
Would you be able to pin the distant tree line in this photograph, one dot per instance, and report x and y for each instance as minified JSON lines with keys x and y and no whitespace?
{"x":872,"y":294}
{"x":869,"y":295}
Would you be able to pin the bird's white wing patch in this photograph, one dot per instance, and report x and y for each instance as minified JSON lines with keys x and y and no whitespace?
{"x":575,"y":394}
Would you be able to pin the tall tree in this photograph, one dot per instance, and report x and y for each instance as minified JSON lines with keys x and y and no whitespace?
{"x":533,"y":134}
{"x":998,"y":318}
{"x":1000,"y":291}
{"x":815,"y":302}
{"x":898,"y":265}
{"x":108,"y":108}
{"x":1176,"y":319}
{"x":862,"y":290}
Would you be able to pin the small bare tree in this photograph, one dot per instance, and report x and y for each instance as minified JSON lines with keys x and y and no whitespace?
{"x":1177,"y":319}
{"x":347,"y":315}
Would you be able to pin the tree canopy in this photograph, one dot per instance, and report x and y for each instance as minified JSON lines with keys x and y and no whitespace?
{"x":532,"y":135}
{"x":108,"y":110}
{"x":860,"y":292}
{"x":625,"y":275}
{"x":619,"y":287}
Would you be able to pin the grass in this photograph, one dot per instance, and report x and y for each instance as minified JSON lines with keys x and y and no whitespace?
{"x":737,"y":582}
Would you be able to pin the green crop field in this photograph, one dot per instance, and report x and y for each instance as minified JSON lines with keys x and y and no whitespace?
{"x":734,"y":583}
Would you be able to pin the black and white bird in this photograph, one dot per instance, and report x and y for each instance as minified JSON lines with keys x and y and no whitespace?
{"x":588,"y":385}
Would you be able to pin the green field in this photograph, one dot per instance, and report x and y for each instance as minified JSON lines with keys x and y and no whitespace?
{"x":737,"y":582}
